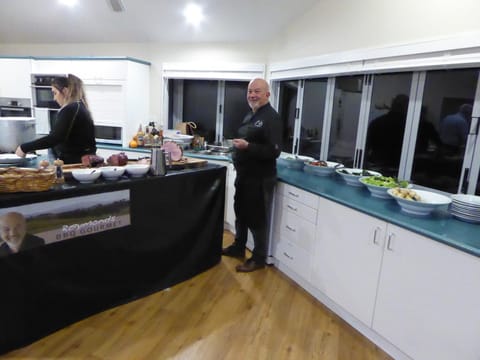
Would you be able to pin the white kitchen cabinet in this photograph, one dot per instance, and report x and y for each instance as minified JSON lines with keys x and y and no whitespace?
{"x":117,"y":89}
{"x":52,"y":66}
{"x":15,"y":78}
{"x":428,"y":301}
{"x":294,"y":220}
{"x":91,"y":71}
{"x":347,"y":258}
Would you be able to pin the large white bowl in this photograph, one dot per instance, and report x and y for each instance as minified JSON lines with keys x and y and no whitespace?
{"x":137,"y":170}
{"x":112,"y":172}
{"x":429,"y":201}
{"x":322,"y":170}
{"x":352,"y":175}
{"x":86,"y":176}
{"x":377,"y":190}
{"x":296,"y":162}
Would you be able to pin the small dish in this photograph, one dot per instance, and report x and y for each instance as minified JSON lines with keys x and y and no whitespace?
{"x":313,"y":167}
{"x":112,"y":172}
{"x":353,"y":175}
{"x":295,"y":162}
{"x":86,"y":176}
{"x":137,"y":170}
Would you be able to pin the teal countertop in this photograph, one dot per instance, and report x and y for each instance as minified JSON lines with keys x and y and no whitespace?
{"x":439,"y":226}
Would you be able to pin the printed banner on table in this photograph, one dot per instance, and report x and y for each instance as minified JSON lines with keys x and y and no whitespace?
{"x":28,"y":226}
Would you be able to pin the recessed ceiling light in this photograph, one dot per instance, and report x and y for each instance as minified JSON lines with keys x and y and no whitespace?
{"x":193,"y":14}
{"x":68,"y":2}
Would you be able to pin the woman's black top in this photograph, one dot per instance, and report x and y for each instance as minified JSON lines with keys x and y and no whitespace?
{"x":72,"y":136}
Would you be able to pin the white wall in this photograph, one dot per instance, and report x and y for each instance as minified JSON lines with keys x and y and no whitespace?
{"x":334,"y":26}
{"x":156,"y":54}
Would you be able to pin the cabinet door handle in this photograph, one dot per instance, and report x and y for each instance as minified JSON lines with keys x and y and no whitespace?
{"x":391,"y":236}
{"x":293,"y":194}
{"x":375,"y":234}
{"x":287,"y":256}
{"x":290,"y":228}
{"x":292,"y":208}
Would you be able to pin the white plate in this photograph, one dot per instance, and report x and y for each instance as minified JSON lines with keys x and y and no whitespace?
{"x":351,"y":178}
{"x":472,"y":200}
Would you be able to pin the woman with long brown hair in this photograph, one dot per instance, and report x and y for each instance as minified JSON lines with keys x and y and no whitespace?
{"x":73,"y":134}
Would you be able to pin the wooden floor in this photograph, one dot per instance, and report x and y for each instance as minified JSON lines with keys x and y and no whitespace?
{"x":219,"y":314}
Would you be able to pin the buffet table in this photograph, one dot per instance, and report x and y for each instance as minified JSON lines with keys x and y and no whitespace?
{"x":174,"y":231}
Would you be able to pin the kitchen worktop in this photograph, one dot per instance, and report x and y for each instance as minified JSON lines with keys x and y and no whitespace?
{"x":439,"y":226}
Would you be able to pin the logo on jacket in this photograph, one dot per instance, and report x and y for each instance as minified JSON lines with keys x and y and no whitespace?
{"x":258,"y":123}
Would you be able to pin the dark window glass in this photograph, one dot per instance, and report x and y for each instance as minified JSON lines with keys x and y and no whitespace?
{"x":200,"y":106}
{"x":236,"y":107}
{"x":446,"y":114}
{"x":313,"y":108}
{"x":345,"y":117}
{"x":386,"y":122}
{"x":287,"y":110}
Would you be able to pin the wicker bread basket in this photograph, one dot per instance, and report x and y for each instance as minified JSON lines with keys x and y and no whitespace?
{"x":13,"y":179}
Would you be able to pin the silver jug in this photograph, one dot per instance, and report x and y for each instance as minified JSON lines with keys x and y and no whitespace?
{"x":158,"y":165}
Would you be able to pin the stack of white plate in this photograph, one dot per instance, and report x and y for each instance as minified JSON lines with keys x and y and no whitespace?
{"x":466,"y":207}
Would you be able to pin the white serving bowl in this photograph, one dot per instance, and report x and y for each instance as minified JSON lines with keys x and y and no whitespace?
{"x":352,"y":175}
{"x":379,"y":191}
{"x":137,"y":170}
{"x":296,"y":162}
{"x":86,"y":176}
{"x":112,"y":172}
{"x":429,"y":201}
{"x":322,"y":170}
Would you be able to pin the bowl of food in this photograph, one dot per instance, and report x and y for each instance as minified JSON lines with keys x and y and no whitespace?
{"x":379,"y":185}
{"x":353,"y":175}
{"x":137,"y":170}
{"x":296,"y":162}
{"x":418,"y":202}
{"x":112,"y":172}
{"x":86,"y":176}
{"x":321,"y":167}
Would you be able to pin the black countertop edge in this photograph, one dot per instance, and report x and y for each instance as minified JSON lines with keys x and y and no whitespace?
{"x":439,"y":226}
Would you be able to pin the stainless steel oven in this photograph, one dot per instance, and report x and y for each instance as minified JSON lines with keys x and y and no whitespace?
{"x":108,"y":134}
{"x":42,"y":91}
{"x":13,"y":107}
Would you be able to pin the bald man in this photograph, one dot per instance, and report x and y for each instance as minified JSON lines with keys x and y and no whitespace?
{"x":13,"y":233}
{"x":254,"y":156}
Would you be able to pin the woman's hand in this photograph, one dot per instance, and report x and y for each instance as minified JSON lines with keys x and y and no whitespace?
{"x":19,"y":152}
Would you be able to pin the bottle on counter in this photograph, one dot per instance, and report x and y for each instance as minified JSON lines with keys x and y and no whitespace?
{"x":148,"y":138}
{"x":59,"y":178}
{"x":140,"y":136}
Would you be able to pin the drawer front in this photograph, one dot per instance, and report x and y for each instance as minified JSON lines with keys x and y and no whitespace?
{"x":284,"y":203}
{"x":299,"y":195}
{"x":296,"y":258}
{"x":297,"y":230}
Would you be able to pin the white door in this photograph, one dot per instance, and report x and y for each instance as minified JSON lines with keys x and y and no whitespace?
{"x":428,"y":298}
{"x":347,"y":258}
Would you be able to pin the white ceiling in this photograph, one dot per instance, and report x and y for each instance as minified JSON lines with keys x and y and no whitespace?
{"x":93,"y":21}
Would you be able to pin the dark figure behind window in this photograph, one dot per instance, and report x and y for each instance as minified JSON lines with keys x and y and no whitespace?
{"x":385,"y":135}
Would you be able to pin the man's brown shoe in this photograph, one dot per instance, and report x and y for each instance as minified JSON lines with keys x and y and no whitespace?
{"x":249,"y":266}
{"x":234,"y":251}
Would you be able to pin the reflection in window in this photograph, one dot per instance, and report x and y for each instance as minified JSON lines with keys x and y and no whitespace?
{"x":446,"y":114}
{"x":313,"y":108}
{"x":345,"y":117}
{"x":236,"y":107}
{"x":386,"y":122}
{"x":287,"y":111}
{"x":200,"y":106}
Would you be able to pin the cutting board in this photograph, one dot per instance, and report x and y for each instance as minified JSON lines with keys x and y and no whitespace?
{"x":186,"y":163}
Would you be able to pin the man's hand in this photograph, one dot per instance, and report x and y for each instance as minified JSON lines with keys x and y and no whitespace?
{"x":240,"y":143}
